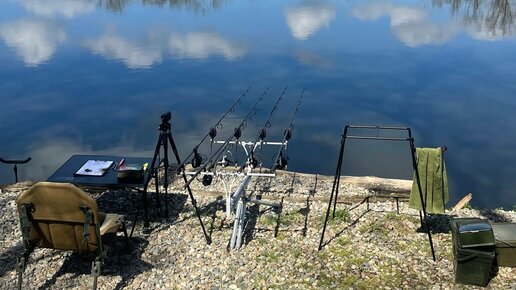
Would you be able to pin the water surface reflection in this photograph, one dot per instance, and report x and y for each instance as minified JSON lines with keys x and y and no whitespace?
{"x":94,"y":76}
{"x":307,"y":19}
{"x":34,"y":40}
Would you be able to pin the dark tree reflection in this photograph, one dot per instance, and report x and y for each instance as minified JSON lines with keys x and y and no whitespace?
{"x":114,"y":5}
{"x":495,"y":16}
{"x":198,"y":6}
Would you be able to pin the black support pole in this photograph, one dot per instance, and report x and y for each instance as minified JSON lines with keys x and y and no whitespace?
{"x":15,"y":167}
{"x":337,"y":172}
{"x":336,"y":180}
{"x":343,"y":141}
{"x":423,"y":201}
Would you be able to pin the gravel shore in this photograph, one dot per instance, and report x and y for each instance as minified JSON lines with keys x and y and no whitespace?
{"x":373,"y":248}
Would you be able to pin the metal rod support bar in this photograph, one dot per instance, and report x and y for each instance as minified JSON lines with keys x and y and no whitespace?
{"x":252,"y":143}
{"x":15,"y":161}
{"x":377,"y":127}
{"x":266,"y":203}
{"x":377,"y":138}
{"x":422,"y":216}
{"x":233,"y":173}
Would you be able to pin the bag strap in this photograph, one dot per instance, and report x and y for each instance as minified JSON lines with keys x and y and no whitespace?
{"x":87,"y":221}
{"x":25,"y":219}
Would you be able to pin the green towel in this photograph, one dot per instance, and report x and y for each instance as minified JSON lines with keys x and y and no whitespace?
{"x":434,"y":182}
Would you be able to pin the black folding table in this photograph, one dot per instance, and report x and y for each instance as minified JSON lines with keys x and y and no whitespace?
{"x":109,"y":180}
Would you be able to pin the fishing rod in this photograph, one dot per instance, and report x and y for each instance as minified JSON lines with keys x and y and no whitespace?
{"x":280,"y":162}
{"x":262,"y":133}
{"x":197,"y":159}
{"x":236,"y":132}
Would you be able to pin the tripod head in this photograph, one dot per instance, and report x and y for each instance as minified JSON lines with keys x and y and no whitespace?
{"x":165,"y":122}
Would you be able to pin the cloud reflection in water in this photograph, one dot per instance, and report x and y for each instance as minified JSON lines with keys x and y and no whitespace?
{"x":491,"y":20}
{"x":35,"y":41}
{"x":195,"y":45}
{"x":410,"y":24}
{"x":304,"y":21}
{"x":201,"y":45}
{"x":66,"y":8}
{"x":133,"y":55}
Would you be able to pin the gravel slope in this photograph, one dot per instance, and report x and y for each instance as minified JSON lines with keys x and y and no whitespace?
{"x":365,"y":249}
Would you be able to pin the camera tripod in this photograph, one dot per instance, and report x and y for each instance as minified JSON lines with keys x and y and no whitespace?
{"x":164,"y":139}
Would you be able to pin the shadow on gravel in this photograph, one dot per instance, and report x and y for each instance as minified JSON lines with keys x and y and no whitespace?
{"x":120,"y":261}
{"x":278,"y":220}
{"x":127,"y":265}
{"x":211,"y":209}
{"x":493,"y":216}
{"x":305,"y":211}
{"x":438,"y":223}
{"x":176,"y":205}
{"x":250,"y":225}
{"x":314,"y":189}
{"x":352,"y":224}
{"x":252,"y":216}
{"x":8,"y":258}
{"x":290,"y":190}
{"x":128,"y":202}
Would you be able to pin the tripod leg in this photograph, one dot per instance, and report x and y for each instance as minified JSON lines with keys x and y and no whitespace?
{"x":165,"y":166}
{"x":134,"y":222}
{"x":156,"y":183}
{"x":194,"y":202}
{"x":152,"y":170}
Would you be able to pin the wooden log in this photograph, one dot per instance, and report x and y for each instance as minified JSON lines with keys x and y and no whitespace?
{"x":462,"y":203}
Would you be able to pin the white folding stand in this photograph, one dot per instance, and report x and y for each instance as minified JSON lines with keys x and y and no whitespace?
{"x":236,"y":201}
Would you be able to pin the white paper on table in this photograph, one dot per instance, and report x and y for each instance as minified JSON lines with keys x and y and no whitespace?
{"x":94,"y":168}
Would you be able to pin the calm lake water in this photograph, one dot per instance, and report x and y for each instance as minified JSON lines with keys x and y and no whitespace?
{"x":95,"y":76}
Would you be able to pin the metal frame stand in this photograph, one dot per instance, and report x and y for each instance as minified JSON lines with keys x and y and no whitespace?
{"x":237,"y":202}
{"x":15,"y":168}
{"x":338,"y":171}
{"x":164,"y":140}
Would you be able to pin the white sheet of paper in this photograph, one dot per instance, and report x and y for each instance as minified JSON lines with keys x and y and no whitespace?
{"x":94,"y":168}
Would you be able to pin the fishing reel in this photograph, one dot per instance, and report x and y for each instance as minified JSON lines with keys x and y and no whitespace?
{"x":282,"y":162}
{"x":196,"y":159}
{"x":238,"y":133}
{"x":262,"y":133}
{"x":253,"y":161}
{"x":207,"y":180}
{"x":213,"y":132}
{"x":288,"y":134}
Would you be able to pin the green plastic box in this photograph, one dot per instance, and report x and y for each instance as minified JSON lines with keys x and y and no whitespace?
{"x":505,"y":235}
{"x":474,"y":251}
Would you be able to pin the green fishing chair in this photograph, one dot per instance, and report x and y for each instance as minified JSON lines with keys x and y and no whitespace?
{"x":63,"y":217}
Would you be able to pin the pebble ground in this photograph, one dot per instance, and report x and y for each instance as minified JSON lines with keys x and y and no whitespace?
{"x":373,"y":248}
